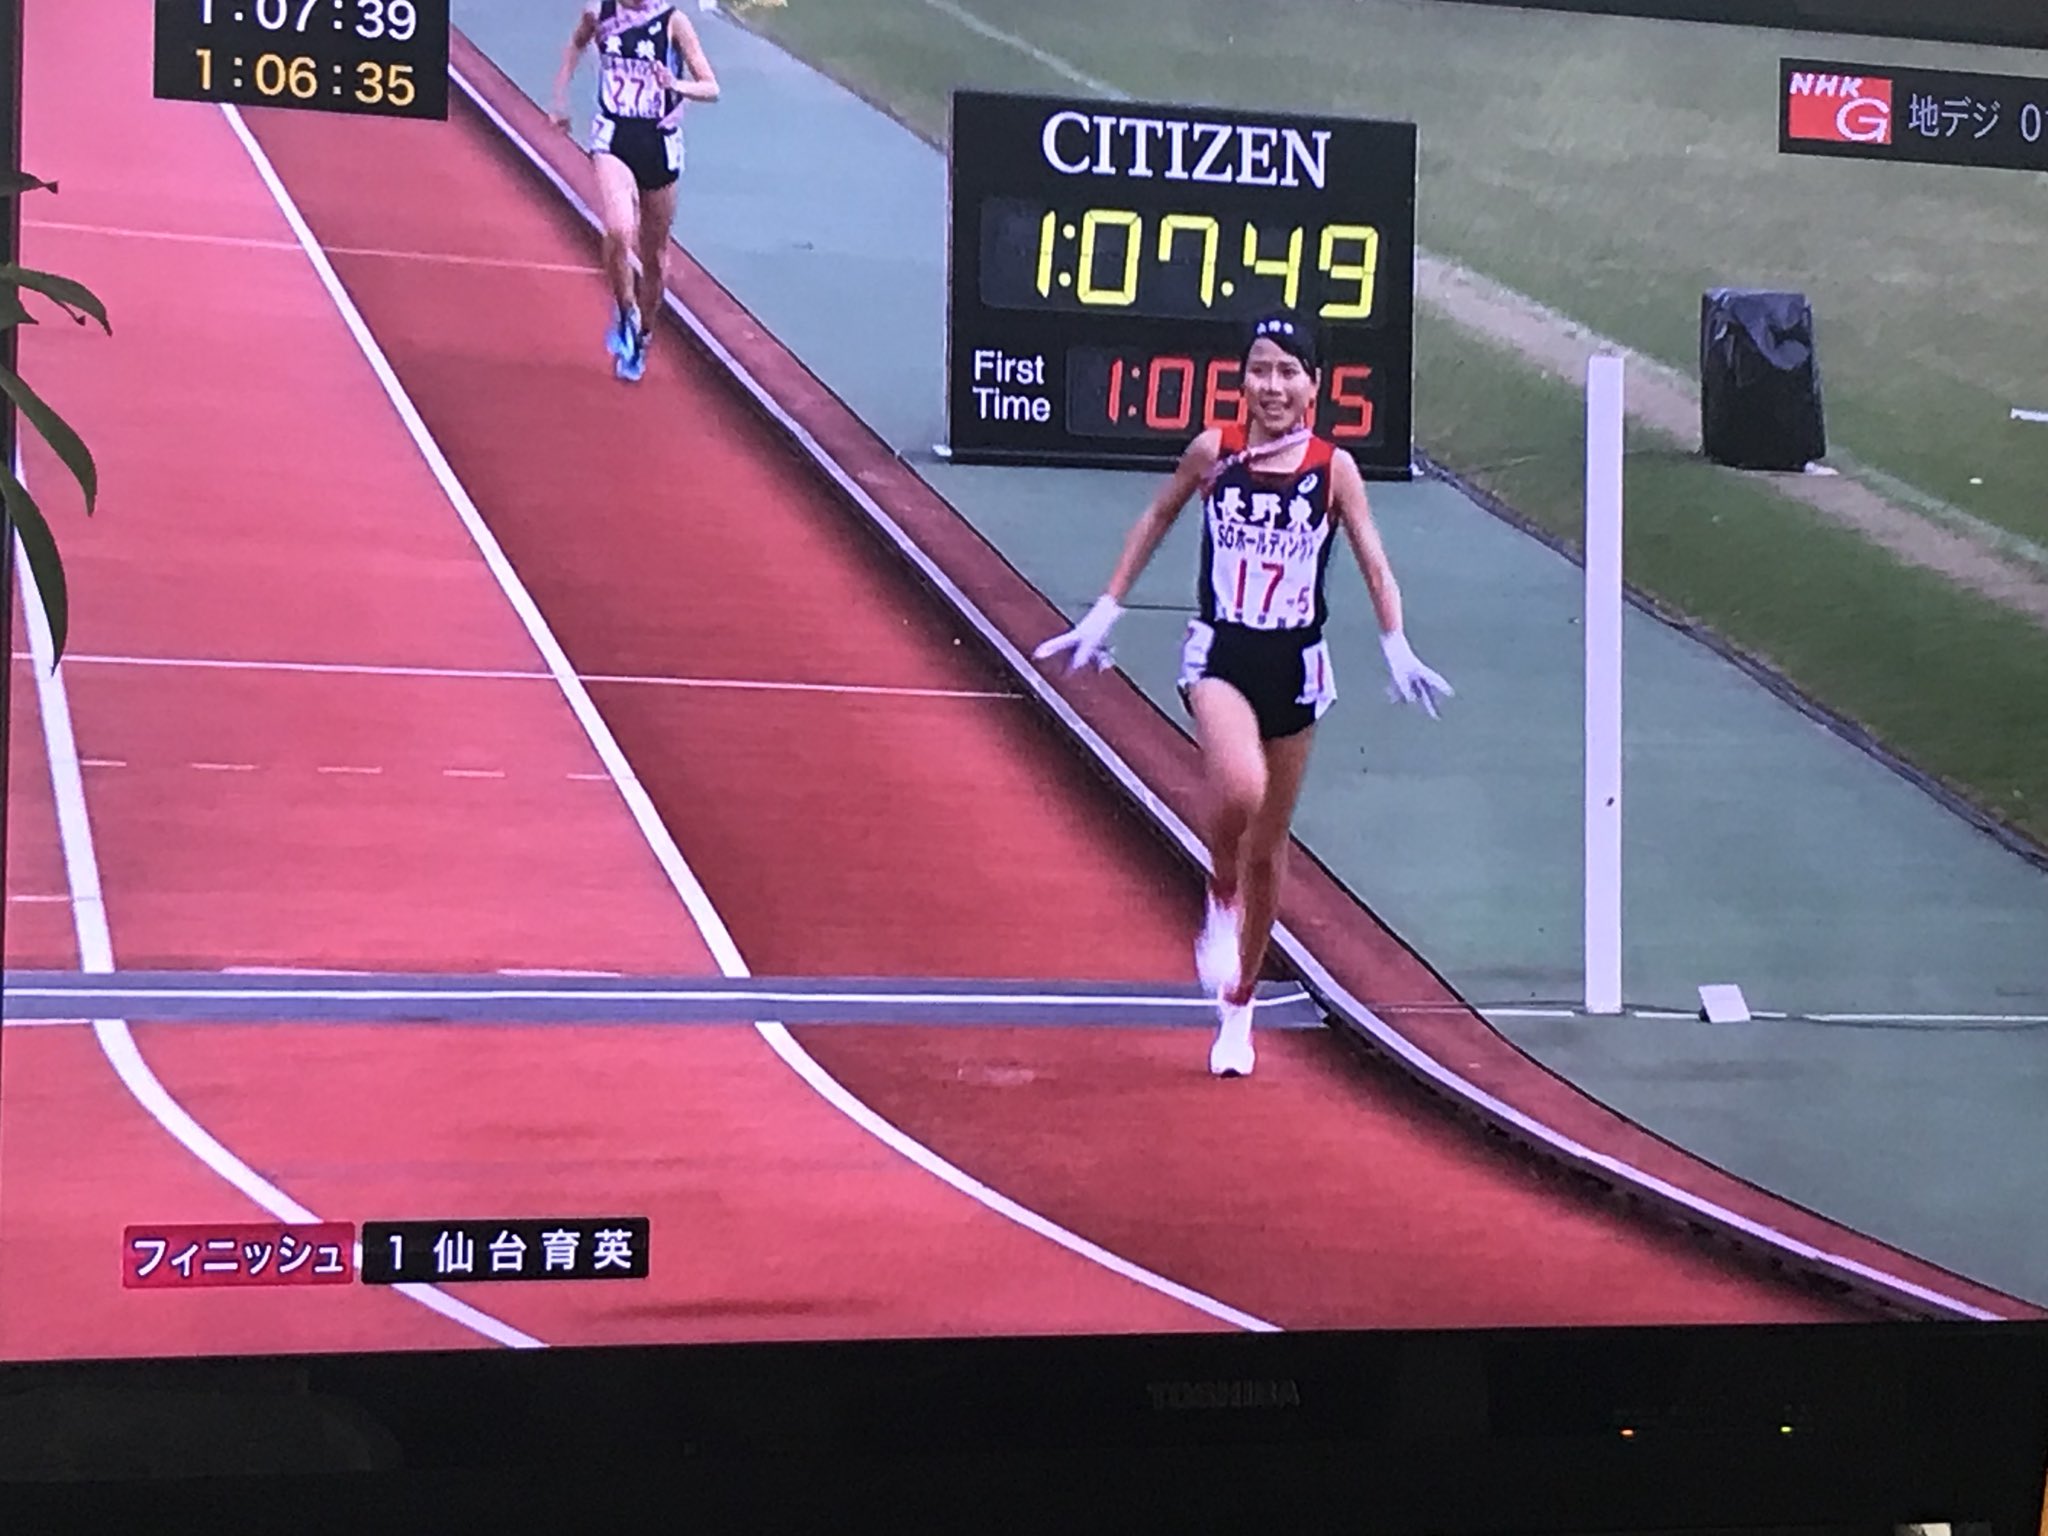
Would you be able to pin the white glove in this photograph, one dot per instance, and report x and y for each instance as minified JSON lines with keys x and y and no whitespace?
{"x":1413,"y":682}
{"x":1088,"y":640}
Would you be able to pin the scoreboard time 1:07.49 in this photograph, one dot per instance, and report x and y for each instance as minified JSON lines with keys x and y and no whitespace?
{"x":1105,"y":261}
{"x":385,"y":58}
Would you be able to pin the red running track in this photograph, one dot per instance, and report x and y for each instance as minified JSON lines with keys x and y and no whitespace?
{"x":257,"y":512}
{"x":910,"y":825}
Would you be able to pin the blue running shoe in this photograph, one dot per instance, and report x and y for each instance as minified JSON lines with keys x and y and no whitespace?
{"x":619,"y":339}
{"x":633,"y":363}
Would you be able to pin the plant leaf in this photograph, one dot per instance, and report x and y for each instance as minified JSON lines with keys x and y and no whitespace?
{"x":69,"y":446}
{"x":77,"y":300}
{"x":12,"y":183}
{"x":45,"y":567}
{"x":12,"y":311}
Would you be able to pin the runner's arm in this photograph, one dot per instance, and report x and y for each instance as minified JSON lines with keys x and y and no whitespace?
{"x":1089,"y":640}
{"x":586,"y":29}
{"x":1167,"y":505}
{"x":703,"y":83}
{"x":1347,"y":493}
{"x":1412,"y":681}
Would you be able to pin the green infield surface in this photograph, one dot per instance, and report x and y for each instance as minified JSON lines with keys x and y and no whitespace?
{"x":1612,"y":170}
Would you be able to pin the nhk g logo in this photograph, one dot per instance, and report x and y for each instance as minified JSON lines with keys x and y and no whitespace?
{"x":1840,"y":109}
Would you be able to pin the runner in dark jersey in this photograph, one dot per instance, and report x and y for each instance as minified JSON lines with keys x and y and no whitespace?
{"x":650,"y":67}
{"x":1255,"y":669}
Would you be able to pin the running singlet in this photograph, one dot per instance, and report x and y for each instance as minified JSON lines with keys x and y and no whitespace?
{"x":1267,"y":542}
{"x":631,"y":40}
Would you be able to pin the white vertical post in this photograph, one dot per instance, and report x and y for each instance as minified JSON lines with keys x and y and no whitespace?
{"x":1604,"y":418}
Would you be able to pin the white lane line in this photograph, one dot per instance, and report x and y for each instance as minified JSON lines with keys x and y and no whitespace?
{"x":493,"y":1328}
{"x":96,"y":955}
{"x":483,"y":994}
{"x":40,"y":896}
{"x":176,"y":237}
{"x":1341,"y":997}
{"x":716,"y":936}
{"x":1920,"y":1018}
{"x":320,"y":769}
{"x":451,"y":259}
{"x":102,"y":762}
{"x":256,"y":243}
{"x":1674,"y":1015}
{"x":331,"y":668}
{"x":115,"y":1039}
{"x":488,"y":674}
{"x":1051,"y":61}
{"x":591,"y":778}
{"x":288,"y":970}
{"x":67,"y":783}
{"x":877,"y":689}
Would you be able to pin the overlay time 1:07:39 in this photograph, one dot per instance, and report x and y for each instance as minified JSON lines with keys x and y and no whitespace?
{"x":277,"y":15}
{"x":386,"y":57}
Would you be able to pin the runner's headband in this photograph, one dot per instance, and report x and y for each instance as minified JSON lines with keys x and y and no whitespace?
{"x":1291,"y":336}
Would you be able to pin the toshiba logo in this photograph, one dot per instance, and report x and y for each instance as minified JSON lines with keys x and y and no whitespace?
{"x":1179,"y":1396}
{"x":1840,"y":109}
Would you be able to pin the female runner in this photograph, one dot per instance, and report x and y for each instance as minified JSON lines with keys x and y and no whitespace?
{"x":636,"y":143}
{"x":1255,"y":669}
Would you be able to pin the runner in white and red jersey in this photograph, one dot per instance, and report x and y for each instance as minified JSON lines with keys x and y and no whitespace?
{"x":1255,"y":668}
{"x":650,"y":67}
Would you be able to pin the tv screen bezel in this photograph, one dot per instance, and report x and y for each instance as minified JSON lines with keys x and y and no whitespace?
{"x":1512,"y":1430}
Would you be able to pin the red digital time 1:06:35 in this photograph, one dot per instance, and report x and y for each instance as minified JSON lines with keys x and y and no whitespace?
{"x":1131,"y":393}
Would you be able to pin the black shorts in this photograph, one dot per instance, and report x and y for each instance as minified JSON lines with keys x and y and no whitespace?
{"x":1284,"y":674}
{"x":654,"y":156}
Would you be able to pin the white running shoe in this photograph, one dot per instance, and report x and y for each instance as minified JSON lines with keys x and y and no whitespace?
{"x":1231,"y":1055}
{"x":1217,"y":950}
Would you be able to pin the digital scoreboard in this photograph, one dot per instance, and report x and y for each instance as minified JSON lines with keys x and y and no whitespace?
{"x":385,"y":58}
{"x":1928,"y":116}
{"x":1104,"y":260}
